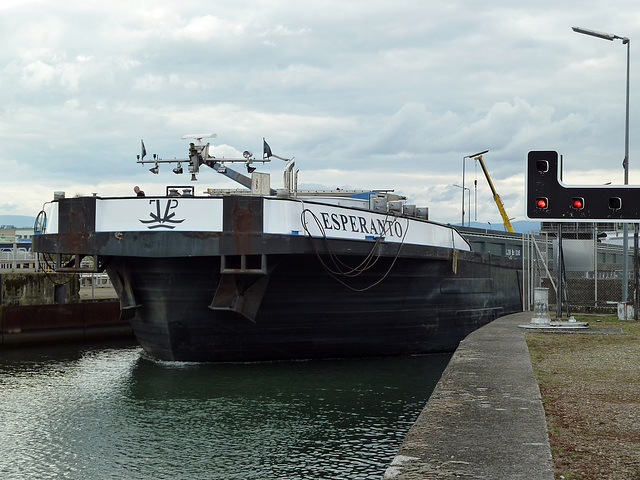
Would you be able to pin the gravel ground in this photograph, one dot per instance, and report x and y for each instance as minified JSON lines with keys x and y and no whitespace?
{"x":590,"y":387}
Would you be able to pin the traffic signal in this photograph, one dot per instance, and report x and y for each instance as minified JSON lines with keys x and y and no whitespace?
{"x":542,"y":166}
{"x":577,"y":203}
{"x":542,"y":202}
{"x":549,"y":199}
{"x":615,"y":203}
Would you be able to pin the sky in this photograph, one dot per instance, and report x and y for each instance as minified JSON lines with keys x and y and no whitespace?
{"x":364,"y":94}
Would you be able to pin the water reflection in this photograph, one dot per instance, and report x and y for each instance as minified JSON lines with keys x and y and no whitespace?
{"x":115,"y":413}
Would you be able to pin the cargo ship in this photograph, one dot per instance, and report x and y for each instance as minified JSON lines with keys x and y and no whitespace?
{"x":270,"y":274}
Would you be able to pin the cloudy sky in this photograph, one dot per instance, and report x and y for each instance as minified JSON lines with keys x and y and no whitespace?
{"x":365,"y":94}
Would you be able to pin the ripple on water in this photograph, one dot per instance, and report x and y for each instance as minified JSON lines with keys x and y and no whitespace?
{"x":97,"y":413}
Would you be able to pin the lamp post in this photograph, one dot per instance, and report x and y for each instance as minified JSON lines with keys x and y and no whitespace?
{"x":469,"y":201}
{"x":463,"y":163}
{"x":625,"y":163}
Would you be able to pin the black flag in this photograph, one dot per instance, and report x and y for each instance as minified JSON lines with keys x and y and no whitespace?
{"x":266,"y":149}
{"x":144,"y":150}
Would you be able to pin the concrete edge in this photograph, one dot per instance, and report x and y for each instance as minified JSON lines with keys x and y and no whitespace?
{"x":484,"y":419}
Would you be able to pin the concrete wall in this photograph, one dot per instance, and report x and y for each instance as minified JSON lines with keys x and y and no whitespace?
{"x":23,"y":289}
{"x":45,"y":308}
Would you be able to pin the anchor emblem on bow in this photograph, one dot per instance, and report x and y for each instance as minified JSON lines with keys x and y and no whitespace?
{"x":165,"y":220}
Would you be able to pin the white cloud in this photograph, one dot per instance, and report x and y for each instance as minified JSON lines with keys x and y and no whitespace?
{"x":204,"y":28}
{"x":371,"y":94}
{"x":37,"y":74}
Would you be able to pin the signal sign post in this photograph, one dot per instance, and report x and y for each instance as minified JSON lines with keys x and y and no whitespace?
{"x":549,"y":199}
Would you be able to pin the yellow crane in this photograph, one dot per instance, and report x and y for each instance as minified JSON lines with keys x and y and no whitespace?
{"x":496,"y":197}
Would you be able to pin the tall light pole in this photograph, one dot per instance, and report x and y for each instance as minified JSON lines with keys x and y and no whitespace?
{"x":463,"y":163}
{"x":469,"y":198}
{"x":625,"y":163}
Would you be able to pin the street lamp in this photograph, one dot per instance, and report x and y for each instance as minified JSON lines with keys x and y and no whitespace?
{"x":469,"y":196}
{"x":625,"y":163}
{"x":463,"y":163}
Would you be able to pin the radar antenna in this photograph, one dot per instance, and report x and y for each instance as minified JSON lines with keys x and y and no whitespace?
{"x":198,"y":137}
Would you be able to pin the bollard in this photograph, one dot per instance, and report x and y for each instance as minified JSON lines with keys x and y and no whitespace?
{"x":625,"y":311}
{"x":541,"y":307}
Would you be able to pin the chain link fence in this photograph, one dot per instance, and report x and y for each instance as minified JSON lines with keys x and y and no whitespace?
{"x":586,"y":264}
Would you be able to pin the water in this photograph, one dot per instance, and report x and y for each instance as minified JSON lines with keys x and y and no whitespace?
{"x":115,"y":413}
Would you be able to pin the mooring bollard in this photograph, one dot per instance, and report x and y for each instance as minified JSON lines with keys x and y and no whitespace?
{"x":625,"y":311}
{"x":541,"y":307}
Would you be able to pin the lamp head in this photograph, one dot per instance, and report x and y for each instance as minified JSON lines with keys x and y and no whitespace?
{"x":593,"y":33}
{"x":476,"y":154}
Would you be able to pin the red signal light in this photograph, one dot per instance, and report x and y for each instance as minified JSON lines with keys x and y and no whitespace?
{"x":577,"y":203}
{"x":542,"y":202}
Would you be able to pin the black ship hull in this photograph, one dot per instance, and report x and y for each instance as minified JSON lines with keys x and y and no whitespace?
{"x":420,"y":307}
{"x":244,"y":294}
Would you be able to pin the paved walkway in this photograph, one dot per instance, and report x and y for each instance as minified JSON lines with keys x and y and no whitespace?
{"x":485,"y":419}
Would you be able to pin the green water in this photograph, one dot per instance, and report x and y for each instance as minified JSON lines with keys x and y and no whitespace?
{"x":115,"y":413}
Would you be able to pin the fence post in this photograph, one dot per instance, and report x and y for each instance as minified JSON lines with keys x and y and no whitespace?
{"x":595,"y":264}
{"x":14,"y":258}
{"x":559,"y":272}
{"x":635,"y":271}
{"x":526,"y":285}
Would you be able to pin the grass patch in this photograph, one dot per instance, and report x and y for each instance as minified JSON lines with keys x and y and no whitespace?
{"x":589,"y":384}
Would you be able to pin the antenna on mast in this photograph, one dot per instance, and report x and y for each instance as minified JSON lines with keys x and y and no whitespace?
{"x":198,"y":136}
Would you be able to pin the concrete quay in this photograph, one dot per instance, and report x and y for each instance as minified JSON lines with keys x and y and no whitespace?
{"x":485,"y":419}
{"x":50,"y":308}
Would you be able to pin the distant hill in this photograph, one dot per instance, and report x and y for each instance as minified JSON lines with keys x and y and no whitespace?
{"x":18,"y":221}
{"x":526,"y":226}
{"x":521,"y":226}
